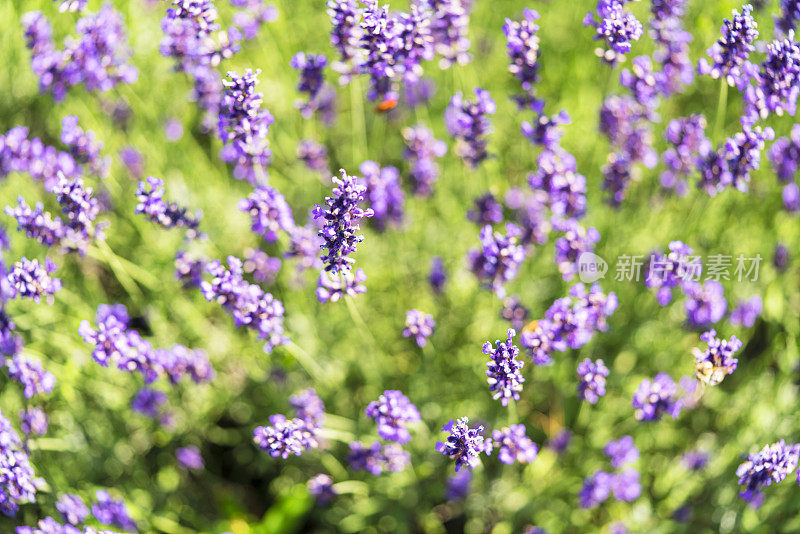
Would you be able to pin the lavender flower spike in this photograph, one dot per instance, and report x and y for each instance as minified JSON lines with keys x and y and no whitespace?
{"x":616,"y":27}
{"x":341,"y":218}
{"x":469,"y":123}
{"x":592,"y":376}
{"x":772,"y":464}
{"x":655,"y":398}
{"x":514,"y":446}
{"x":464,"y":444}
{"x":717,"y":360}
{"x":269,"y":212}
{"x":499,"y":258}
{"x":391,"y":412}
{"x":419,"y":325}
{"x":730,"y":54}
{"x":505,"y":379}
{"x":30,"y":279}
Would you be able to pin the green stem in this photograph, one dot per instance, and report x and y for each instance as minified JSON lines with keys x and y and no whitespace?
{"x":307,"y":362}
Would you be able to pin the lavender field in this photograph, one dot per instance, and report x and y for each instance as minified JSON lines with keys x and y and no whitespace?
{"x":274,"y":266}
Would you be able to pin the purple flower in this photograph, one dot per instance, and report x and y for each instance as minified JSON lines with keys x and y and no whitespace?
{"x":249,"y":305}
{"x":458,"y":486}
{"x":16,"y":472}
{"x":448,"y":25}
{"x":546,"y":131}
{"x":37,"y":223}
{"x":705,"y":304}
{"x":189,"y":458}
{"x":621,"y":452}
{"x":148,"y":402}
{"x":419,"y":325}
{"x":437,"y":277}
{"x":717,"y":360}
{"x":642,"y":82}
{"x":694,"y":460}
{"x":498,"y":259}
{"x":263,"y":267}
{"x":730,"y":54}
{"x":576,"y":241}
{"x":313,"y":155}
{"x":672,"y":45}
{"x":747,"y":312}
{"x":33,"y":420}
{"x":514,"y":312}
{"x":332,"y":287}
{"x":777,"y":82}
{"x":596,"y":489}
{"x":150,"y":195}
{"x":557,"y":178}
{"x":626,"y":486}
{"x":112,"y":512}
{"x":487,"y":211}
{"x":311,"y":78}
{"x":269,"y":212}
{"x":31,"y":375}
{"x":243,"y":127}
{"x":689,"y":142}
{"x":617,"y":177}
{"x":772,"y":464}
{"x":345,"y":34}
{"x":308,"y":407}
{"x":30,"y":279}
{"x":97,"y":58}
{"x":616,"y":27}
{"x":469,"y":123}
{"x":84,"y":147}
{"x":321,"y":487}
{"x":391,"y":412}
{"x":71,"y":5}
{"x":592,"y":380}
{"x":133,"y":161}
{"x":522,"y":48}
{"x":421,"y":153}
{"x":677,"y":269}
{"x":341,"y":217}
{"x":780,"y":258}
{"x":376,"y":459}
{"x":654,"y":398}
{"x":505,"y":380}
{"x":464,"y":444}
{"x":560,"y":441}
{"x":743,"y":154}
{"x":514,"y":446}
{"x":304,"y":244}
{"x":285,"y":437}
{"x":72,"y":508}
{"x":383,"y":194}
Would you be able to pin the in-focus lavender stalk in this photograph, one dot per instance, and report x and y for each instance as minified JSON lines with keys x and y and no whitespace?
{"x":469,"y":123}
{"x":777,"y":83}
{"x":284,"y":437}
{"x":243,"y":127}
{"x":332,"y":287}
{"x":503,"y":369}
{"x":730,"y":54}
{"x":465,"y":444}
{"x":30,"y":279}
{"x":341,"y":218}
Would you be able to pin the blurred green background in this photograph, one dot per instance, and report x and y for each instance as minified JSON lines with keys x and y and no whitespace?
{"x":96,"y":441}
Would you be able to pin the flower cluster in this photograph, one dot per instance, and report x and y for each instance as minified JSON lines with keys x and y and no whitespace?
{"x":269,"y":212}
{"x":341,"y":218}
{"x":672,"y":42}
{"x":321,"y":487}
{"x":469,"y":123}
{"x":72,"y":509}
{"x":110,"y":511}
{"x":377,"y":458}
{"x":249,"y":305}
{"x":498,"y":259}
{"x":621,"y":452}
{"x":17,"y":484}
{"x":730,"y":54}
{"x":656,"y":397}
{"x":345,"y":34}
{"x":243,"y":127}
{"x":419,"y":325}
{"x":321,"y":98}
{"x":391,"y":412}
{"x":33,"y":420}
{"x":688,"y":141}
{"x":464,"y":444}
{"x":421,"y":152}
{"x":313,"y":155}
{"x":616,"y":27}
{"x":117,"y":344}
{"x":570,"y":322}
{"x":624,"y":485}
{"x":332,"y":287}
{"x":777,"y":83}
{"x":772,"y":464}
{"x":84,"y":147}
{"x":592,"y":380}
{"x":44,"y":163}
{"x":30,"y":279}
{"x":514,"y":312}
{"x":705,"y":303}
{"x":546,"y":131}
{"x":97,"y":58}
{"x":557,"y":178}
{"x":576,"y":241}
{"x":675,"y":269}
{"x":523,"y":52}
{"x":263,"y":267}
{"x":504,"y":376}
{"x":514,"y":446}
{"x":448,"y":26}
{"x":284,"y":437}
{"x":487,"y":210}
{"x":150,"y":195}
{"x":31,"y":375}
{"x":746,"y":313}
{"x":383,"y":194}
{"x":717,"y":360}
